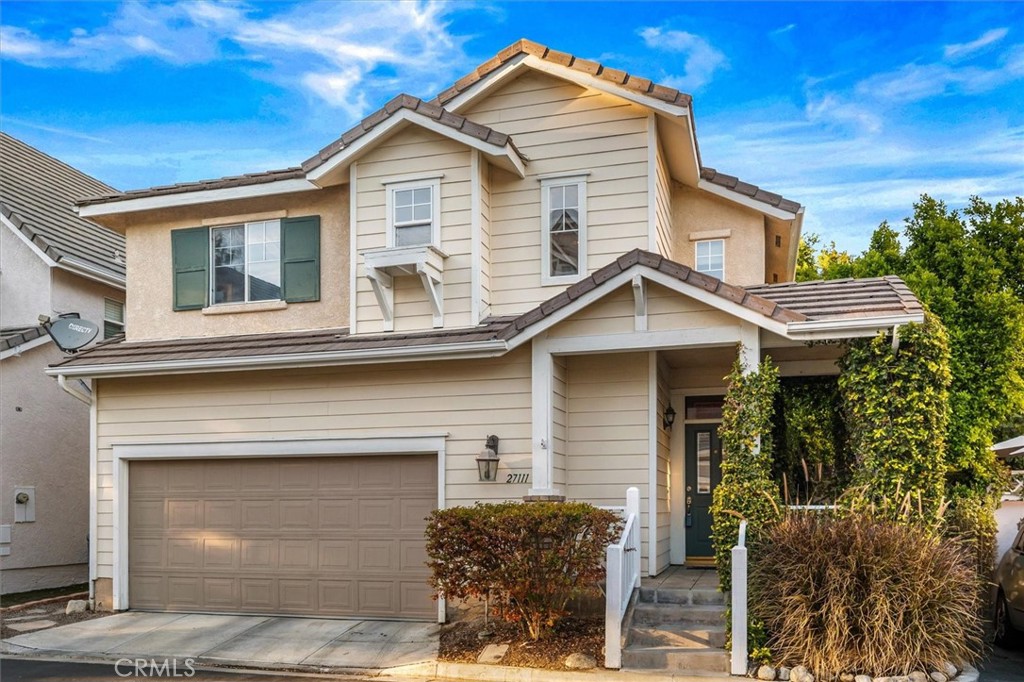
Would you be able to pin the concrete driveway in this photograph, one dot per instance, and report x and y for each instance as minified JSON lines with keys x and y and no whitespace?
{"x":250,"y":641}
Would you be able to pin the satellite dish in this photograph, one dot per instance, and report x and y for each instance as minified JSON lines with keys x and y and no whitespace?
{"x":70,"y":332}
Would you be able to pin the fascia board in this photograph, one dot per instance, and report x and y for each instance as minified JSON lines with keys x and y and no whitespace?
{"x":479,"y":349}
{"x":196,"y":197}
{"x":24,"y":238}
{"x":743,"y":200}
{"x":849,"y":327}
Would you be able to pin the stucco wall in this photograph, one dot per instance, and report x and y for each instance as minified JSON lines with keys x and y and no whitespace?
{"x":24,"y":282}
{"x":696,"y":211}
{"x":150,"y":296}
{"x":44,"y":442}
{"x":73,"y":294}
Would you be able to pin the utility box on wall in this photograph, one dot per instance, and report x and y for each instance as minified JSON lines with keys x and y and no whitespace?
{"x":24,"y":504}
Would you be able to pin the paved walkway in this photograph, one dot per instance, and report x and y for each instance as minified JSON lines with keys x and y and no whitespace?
{"x":239,"y":640}
{"x":683,"y":578}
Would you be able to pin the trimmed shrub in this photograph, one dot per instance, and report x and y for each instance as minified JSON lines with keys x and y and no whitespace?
{"x":865,"y":595}
{"x":530,"y":559}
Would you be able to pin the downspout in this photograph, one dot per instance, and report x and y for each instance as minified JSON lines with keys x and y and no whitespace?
{"x":895,"y":338}
{"x":90,"y":400}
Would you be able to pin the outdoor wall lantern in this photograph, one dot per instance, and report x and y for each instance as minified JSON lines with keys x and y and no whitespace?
{"x":669,"y":419}
{"x":487,"y":462}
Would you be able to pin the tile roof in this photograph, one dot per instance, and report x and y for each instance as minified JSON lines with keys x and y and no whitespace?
{"x":399,"y":103}
{"x":15,"y":336}
{"x":196,"y":186}
{"x":643,"y":86}
{"x":730,"y":292}
{"x":284,"y":343}
{"x":733,"y":183}
{"x":37,"y":194}
{"x":408,"y":103}
{"x":843,"y":298}
{"x":784,"y":303}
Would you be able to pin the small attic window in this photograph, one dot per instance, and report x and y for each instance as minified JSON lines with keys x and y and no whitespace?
{"x":778,"y":240}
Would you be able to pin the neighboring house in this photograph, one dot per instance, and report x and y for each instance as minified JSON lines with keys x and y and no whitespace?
{"x":52,"y":262}
{"x":318,"y":354}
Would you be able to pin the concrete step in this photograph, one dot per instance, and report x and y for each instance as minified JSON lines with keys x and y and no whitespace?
{"x":676,"y":659}
{"x":683,"y":635}
{"x":645,"y":613}
{"x":664,"y":595}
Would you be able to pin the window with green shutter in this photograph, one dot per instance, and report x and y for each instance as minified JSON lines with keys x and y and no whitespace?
{"x":266,"y":260}
{"x":300,"y":259}
{"x":191,"y":257}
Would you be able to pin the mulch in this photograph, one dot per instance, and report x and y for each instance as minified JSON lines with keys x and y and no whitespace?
{"x":460,"y":644}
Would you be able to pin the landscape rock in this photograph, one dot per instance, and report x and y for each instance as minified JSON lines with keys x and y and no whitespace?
{"x":862,"y":678}
{"x":883,"y":679}
{"x":950,"y":670}
{"x":76,"y":606}
{"x":918,"y":676}
{"x":846,"y":677}
{"x":784,"y":674}
{"x":939,"y":677}
{"x":579,"y":661}
{"x":901,"y":678}
{"x":766,"y":673}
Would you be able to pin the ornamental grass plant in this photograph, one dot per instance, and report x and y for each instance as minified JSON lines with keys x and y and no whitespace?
{"x":858,"y":593}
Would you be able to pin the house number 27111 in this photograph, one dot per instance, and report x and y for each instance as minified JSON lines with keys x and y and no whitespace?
{"x":518,"y":478}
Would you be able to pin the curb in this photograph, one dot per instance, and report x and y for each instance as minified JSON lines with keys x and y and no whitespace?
{"x":476,"y":672}
{"x":43,"y":602}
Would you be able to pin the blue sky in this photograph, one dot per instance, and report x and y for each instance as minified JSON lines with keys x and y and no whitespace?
{"x":853,"y":109}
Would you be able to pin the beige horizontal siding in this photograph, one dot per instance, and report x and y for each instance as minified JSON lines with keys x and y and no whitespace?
{"x":469,"y":399}
{"x":608,"y":433}
{"x":415,"y":150}
{"x":663,"y":208}
{"x":664,"y":510}
{"x":562,"y":128}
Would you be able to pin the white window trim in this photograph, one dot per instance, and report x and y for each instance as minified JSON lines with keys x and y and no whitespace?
{"x":696,"y":246}
{"x":212,"y":293}
{"x":434,"y":183}
{"x":580,"y":180}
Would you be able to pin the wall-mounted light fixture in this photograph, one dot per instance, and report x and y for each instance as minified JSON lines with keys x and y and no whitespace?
{"x":487,"y":462}
{"x":669,"y":418}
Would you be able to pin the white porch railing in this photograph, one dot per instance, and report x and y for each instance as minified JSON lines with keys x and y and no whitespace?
{"x":738,"y":601}
{"x":622,"y":577}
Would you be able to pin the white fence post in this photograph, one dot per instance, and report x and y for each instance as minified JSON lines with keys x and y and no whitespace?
{"x":612,"y":618}
{"x":739,"y":603}
{"x":633,"y":508}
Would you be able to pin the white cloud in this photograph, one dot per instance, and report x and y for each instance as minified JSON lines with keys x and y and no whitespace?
{"x":961,"y":50}
{"x":342,"y":53}
{"x":831,"y":109}
{"x":700,"y":59}
{"x":784,"y":29}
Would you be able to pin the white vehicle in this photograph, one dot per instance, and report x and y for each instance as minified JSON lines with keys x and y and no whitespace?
{"x":1009,"y":613}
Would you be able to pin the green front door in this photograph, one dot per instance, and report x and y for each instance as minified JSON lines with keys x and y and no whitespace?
{"x":703,"y":472}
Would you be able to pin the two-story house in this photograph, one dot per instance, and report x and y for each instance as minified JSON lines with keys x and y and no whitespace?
{"x":52,"y":262}
{"x":318,"y":354}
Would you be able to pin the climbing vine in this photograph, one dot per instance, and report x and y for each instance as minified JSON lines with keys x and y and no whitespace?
{"x":746,"y":490}
{"x":896,"y":403}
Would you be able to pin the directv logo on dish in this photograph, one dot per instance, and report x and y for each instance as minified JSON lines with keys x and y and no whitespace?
{"x":79,"y":328}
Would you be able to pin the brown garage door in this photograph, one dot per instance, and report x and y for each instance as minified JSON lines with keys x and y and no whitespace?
{"x":327,"y":536}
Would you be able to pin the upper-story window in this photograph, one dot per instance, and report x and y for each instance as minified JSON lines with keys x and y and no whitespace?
{"x":266,"y":260}
{"x":414,"y":213}
{"x":564,"y":229}
{"x":246,"y":262}
{"x":113,"y":318}
{"x":711,"y":257}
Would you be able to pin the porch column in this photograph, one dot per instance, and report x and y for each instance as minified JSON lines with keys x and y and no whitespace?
{"x":543,"y":460}
{"x":750,"y":354}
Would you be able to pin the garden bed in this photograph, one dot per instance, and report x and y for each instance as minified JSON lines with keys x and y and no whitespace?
{"x":460,"y":643}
